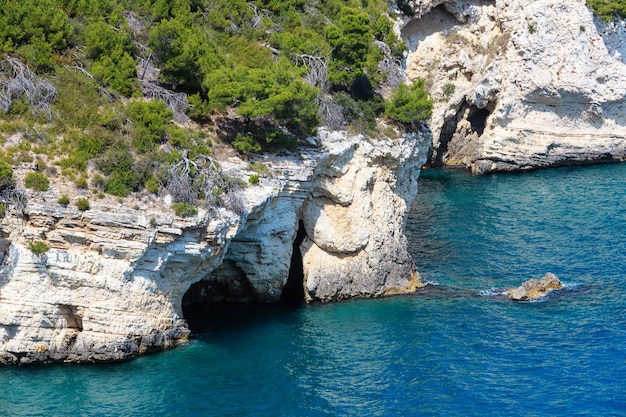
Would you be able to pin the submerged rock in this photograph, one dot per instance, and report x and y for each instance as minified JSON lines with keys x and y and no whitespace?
{"x":535,"y":288}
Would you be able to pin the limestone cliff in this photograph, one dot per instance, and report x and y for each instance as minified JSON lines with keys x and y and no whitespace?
{"x":114,"y":282}
{"x":519,"y":84}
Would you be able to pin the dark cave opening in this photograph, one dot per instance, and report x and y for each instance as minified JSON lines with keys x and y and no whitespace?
{"x":453,"y":131}
{"x":225,"y":298}
{"x":293,"y":293}
{"x":478,"y":119}
{"x":203,"y":302}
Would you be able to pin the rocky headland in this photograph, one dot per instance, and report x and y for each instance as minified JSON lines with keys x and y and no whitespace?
{"x":115,"y":281}
{"x":516,"y":85}
{"x":519,"y":85}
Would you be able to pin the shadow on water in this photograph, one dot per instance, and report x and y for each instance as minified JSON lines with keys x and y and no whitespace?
{"x":224,"y":317}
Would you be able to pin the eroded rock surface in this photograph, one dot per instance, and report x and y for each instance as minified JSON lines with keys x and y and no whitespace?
{"x":535,"y":288}
{"x":115,"y":280}
{"x":519,"y":84}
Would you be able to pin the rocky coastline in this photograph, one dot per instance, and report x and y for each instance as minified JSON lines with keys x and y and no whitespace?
{"x":519,"y":85}
{"x":116,"y":280}
{"x":516,"y":86}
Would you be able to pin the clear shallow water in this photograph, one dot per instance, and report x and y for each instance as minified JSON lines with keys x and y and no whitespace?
{"x":446,"y":351}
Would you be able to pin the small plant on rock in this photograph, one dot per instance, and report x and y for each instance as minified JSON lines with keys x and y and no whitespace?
{"x":64,"y":200}
{"x":38,"y":247}
{"x":37,"y":181}
{"x":82,"y":204}
{"x":448,"y":90}
{"x":184,"y":209}
{"x":253,"y":179}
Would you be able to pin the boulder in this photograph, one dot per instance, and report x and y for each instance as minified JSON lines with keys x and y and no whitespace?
{"x":535,"y":288}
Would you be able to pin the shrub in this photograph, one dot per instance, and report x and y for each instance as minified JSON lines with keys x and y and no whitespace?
{"x":608,"y":10}
{"x":38,"y":247}
{"x":253,"y":179}
{"x":6,"y":174}
{"x":448,"y":90}
{"x":37,"y":181}
{"x":408,"y":105}
{"x":152,"y":185}
{"x":246,"y":143}
{"x":82,"y":204}
{"x":98,"y":181}
{"x":115,"y":186}
{"x":81,"y":182}
{"x":64,"y":200}
{"x":360,"y":114}
{"x":258,"y":167}
{"x":150,"y":119}
{"x":3,"y":210}
{"x":184,"y":209}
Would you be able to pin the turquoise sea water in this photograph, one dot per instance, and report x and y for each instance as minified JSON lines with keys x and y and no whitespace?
{"x":454,"y":349}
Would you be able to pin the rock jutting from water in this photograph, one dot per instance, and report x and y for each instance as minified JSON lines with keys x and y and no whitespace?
{"x":517,"y":84}
{"x":116,"y":281}
{"x":535,"y":288}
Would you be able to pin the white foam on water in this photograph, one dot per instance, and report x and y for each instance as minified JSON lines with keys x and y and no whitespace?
{"x":492,"y":292}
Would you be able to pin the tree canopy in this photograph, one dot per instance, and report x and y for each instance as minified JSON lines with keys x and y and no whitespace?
{"x":99,"y":86}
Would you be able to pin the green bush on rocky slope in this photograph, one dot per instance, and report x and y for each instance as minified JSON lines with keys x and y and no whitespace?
{"x":608,"y":9}
{"x":94,"y":92}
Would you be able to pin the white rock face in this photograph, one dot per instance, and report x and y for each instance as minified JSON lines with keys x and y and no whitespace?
{"x":519,"y":84}
{"x":115,"y":280}
{"x":355,"y":244}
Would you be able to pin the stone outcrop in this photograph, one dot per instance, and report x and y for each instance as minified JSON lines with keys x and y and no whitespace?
{"x":116,"y":280}
{"x":519,"y":84}
{"x":535,"y":288}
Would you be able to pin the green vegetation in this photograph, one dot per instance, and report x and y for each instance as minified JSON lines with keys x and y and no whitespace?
{"x":448,"y":90}
{"x":254,"y":179}
{"x":6,"y":174}
{"x":82,"y":204}
{"x":37,"y":181}
{"x":259,"y":168}
{"x":184,"y":209}
{"x":410,"y":104}
{"x":608,"y":9}
{"x":64,"y":200}
{"x":38,"y":247}
{"x":98,"y":93}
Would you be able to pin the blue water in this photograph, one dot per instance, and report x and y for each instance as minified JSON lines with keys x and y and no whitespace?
{"x":454,"y":349}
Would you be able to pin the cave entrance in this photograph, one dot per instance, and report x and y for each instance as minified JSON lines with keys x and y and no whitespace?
{"x":293,"y":293}
{"x":478,"y":119}
{"x":225,"y":299}
{"x":467,"y":120}
{"x":205,"y":302}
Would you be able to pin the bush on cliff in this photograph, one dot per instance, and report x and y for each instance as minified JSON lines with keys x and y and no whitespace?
{"x":82,"y":204}
{"x":257,"y":74}
{"x":38,"y":247}
{"x":409,"y":104}
{"x":37,"y":181}
{"x":6,"y":174}
{"x":184,"y":209}
{"x":608,"y":9}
